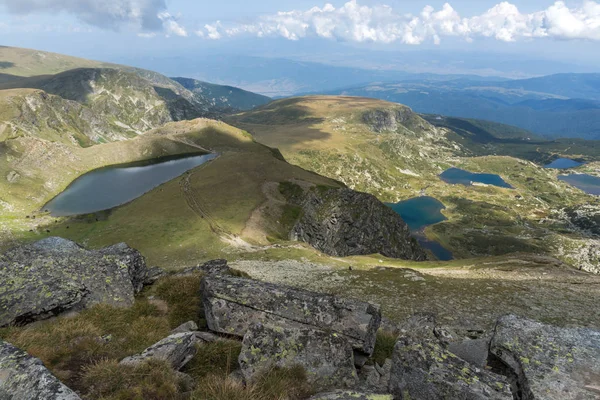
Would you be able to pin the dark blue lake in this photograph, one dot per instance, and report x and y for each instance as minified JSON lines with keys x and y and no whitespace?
{"x":418,"y":213}
{"x":462,"y":177}
{"x":109,"y":187}
{"x":563,"y":163}
{"x":588,"y":183}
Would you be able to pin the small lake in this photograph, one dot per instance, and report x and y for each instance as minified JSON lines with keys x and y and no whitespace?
{"x":462,"y":177}
{"x":112,"y":186}
{"x":419,"y":213}
{"x":588,"y":183}
{"x":563,"y":163}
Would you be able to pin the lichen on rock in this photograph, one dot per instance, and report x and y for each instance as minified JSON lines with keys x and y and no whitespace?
{"x":55,"y":275}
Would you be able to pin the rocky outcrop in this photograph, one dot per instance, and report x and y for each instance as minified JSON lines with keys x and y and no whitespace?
{"x":548,"y":362}
{"x":585,"y":218}
{"x":25,"y":377}
{"x":342,"y":222}
{"x":326,"y":357}
{"x":423,"y":368}
{"x":376,"y":378}
{"x":232,"y":305}
{"x":350,"y":395}
{"x":213,"y":267}
{"x":56,"y":275}
{"x":391,"y":119}
{"x":177,"y":349}
{"x":189,"y":326}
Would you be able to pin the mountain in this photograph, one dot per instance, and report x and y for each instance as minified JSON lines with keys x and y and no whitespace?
{"x":113,"y":104}
{"x":32,"y":68}
{"x":390,"y":151}
{"x":574,"y":86}
{"x":521,"y":103}
{"x":223,"y":96}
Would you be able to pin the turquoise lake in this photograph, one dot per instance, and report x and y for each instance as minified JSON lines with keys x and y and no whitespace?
{"x":462,"y":177}
{"x":109,"y":187}
{"x":419,"y":213}
{"x":563,"y":163}
{"x":588,"y":183}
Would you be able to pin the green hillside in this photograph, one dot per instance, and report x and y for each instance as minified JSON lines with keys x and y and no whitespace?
{"x":389,"y":151}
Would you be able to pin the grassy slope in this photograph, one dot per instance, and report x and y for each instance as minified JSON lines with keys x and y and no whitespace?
{"x":194,"y":217}
{"x":27,"y":62}
{"x":327,"y":135}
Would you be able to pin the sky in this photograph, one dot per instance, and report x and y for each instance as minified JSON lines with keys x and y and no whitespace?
{"x":113,"y":29}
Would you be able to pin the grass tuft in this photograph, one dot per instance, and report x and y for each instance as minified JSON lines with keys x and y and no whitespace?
{"x":182,"y":295}
{"x":384,"y":346}
{"x":277,"y":384}
{"x":218,"y":357}
{"x":66,"y":345}
{"x":153,"y":379}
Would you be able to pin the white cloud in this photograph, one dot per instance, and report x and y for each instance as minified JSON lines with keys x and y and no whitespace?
{"x":171,"y":26}
{"x":213,"y":31}
{"x":380,"y":23}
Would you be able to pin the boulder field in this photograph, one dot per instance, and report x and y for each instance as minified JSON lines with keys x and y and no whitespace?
{"x":333,"y":339}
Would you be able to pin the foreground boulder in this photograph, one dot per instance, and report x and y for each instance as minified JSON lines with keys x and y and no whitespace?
{"x":55,"y":275}
{"x":422,"y":368}
{"x":177,"y":349}
{"x":25,"y":377}
{"x":342,"y":222}
{"x":326,"y":357}
{"x":548,"y":362}
{"x":232,"y":305}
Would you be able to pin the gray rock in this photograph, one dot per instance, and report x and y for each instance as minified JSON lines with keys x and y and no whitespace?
{"x":350,"y":395}
{"x":548,"y":362}
{"x":388,"y":119}
{"x":376,"y":378}
{"x":154,"y":274}
{"x":326,"y":357}
{"x":422,"y":368}
{"x":474,"y":351}
{"x":23,"y":377}
{"x":55,"y":275}
{"x":342,"y":222}
{"x":214,"y":267}
{"x":232,"y":305}
{"x":177,"y":349}
{"x":189,"y":326}
{"x":13,"y":176}
{"x":207,"y":337}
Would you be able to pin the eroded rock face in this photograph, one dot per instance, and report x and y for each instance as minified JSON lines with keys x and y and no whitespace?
{"x":55,"y":275}
{"x":423,"y":368}
{"x":177,"y":349}
{"x":548,"y":362}
{"x":232,"y":305}
{"x":342,"y":222}
{"x":25,"y":377}
{"x":326,"y":357}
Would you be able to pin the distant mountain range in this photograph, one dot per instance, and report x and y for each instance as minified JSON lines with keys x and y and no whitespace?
{"x":563,"y":105}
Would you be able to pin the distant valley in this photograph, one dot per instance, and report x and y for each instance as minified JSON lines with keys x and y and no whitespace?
{"x":564,"y":105}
